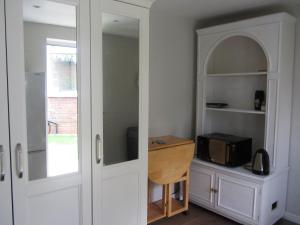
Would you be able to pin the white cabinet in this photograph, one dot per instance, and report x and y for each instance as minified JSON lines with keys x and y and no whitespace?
{"x":71,"y":107}
{"x":237,"y":197}
{"x":119,"y":111}
{"x":50,"y":182}
{"x":231,"y":196}
{"x":202,"y":183}
{"x":234,"y":61}
{"x":237,"y":194}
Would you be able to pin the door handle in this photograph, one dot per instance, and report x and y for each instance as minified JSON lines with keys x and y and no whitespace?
{"x":214,"y":190}
{"x":2,"y":173}
{"x":98,"y":148}
{"x":19,"y":161}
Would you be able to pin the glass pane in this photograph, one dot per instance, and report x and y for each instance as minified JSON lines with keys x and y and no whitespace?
{"x":51,"y":88}
{"x":120,"y":88}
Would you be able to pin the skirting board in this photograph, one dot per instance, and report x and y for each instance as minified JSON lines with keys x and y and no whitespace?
{"x":292,"y":217}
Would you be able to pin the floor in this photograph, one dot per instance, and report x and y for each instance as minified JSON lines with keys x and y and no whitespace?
{"x":200,"y":216}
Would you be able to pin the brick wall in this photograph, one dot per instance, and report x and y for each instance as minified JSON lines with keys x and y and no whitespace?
{"x":63,"y":111}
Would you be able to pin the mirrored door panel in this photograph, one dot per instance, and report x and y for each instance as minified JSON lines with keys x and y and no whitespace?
{"x":48,"y":64}
{"x":120,"y":41}
{"x":50,"y":52}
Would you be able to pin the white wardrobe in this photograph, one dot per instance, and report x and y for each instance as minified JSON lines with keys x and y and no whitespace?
{"x":234,"y":61}
{"x":74,"y":112}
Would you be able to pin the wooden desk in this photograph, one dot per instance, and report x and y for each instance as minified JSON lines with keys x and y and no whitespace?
{"x":169,"y":159}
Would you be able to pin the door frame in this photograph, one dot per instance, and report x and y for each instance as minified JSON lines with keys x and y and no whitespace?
{"x":5,"y":182}
{"x":100,"y":171}
{"x":22,"y":187}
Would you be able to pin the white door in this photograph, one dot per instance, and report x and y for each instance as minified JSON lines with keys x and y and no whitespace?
{"x":202,"y":185}
{"x":5,"y":176}
{"x":237,"y":198}
{"x":120,"y":113}
{"x":49,"y":111}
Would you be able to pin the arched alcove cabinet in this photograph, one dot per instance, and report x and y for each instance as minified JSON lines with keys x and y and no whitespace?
{"x":234,"y":61}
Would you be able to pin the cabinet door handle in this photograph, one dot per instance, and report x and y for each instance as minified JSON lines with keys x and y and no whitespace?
{"x":2,"y":173}
{"x":19,"y":161}
{"x":214,"y":190}
{"x":98,"y":148}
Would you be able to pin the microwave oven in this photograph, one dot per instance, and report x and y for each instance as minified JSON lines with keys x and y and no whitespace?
{"x":224,"y":149}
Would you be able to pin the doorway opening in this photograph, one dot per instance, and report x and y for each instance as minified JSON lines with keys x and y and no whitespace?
{"x":62,"y":107}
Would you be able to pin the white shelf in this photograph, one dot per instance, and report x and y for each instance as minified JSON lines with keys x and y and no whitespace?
{"x":237,"y":74}
{"x":236,"y":110}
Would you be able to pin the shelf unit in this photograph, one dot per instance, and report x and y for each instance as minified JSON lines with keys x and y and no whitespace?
{"x":234,"y":85}
{"x":236,"y":110}
{"x":237,"y":74}
{"x":227,"y":56}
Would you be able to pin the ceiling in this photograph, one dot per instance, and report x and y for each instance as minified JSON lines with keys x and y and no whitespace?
{"x":120,"y":25}
{"x":203,"y":9}
{"x":49,"y":12}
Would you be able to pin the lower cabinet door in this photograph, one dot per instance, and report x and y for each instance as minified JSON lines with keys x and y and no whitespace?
{"x":237,"y":198}
{"x":201,"y":185}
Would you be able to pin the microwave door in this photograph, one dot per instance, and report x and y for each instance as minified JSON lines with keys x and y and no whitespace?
{"x":217,"y":151}
{"x":228,"y":155}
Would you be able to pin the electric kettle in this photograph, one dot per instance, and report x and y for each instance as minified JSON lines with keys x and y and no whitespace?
{"x":261,"y":162}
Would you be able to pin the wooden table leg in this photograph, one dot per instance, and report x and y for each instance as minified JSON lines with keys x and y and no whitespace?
{"x":186,"y":190}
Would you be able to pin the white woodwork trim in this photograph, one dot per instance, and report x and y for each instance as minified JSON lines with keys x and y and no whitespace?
{"x":268,"y":19}
{"x":84,"y":110}
{"x":212,"y":176}
{"x":255,"y":187}
{"x":268,"y":122}
{"x":139,"y":166}
{"x":97,"y":107}
{"x":69,"y":2}
{"x":141,"y":3}
{"x":6,"y":216}
{"x":23,"y":189}
{"x":17,"y":107}
{"x":275,"y":34}
{"x":292,"y":217}
{"x":240,"y":172}
{"x":234,"y":34}
{"x":144,"y":112}
{"x":48,"y":185}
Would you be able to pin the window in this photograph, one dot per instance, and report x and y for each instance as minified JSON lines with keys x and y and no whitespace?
{"x":61,"y":68}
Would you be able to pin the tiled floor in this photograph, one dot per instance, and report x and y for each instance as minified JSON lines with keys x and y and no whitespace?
{"x":200,"y":216}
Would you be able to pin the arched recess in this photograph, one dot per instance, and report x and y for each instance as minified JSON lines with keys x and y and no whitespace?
{"x":237,"y":54}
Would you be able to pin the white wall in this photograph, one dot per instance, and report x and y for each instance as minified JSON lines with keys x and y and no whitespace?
{"x":293,"y":198}
{"x":35,"y":38}
{"x":172,"y":82}
{"x":172,"y":75}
